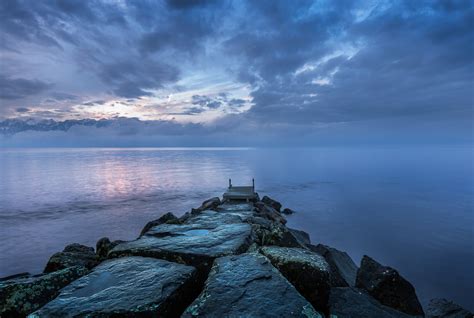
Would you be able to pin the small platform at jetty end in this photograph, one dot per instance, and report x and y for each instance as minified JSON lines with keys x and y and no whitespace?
{"x":241,"y":193}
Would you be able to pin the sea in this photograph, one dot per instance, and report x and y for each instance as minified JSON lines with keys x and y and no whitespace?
{"x":408,"y":207}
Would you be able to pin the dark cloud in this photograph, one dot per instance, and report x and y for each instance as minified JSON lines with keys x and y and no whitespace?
{"x":22,"y":110}
{"x":17,"y":88}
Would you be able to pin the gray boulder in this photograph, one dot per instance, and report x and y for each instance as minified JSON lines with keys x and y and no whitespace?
{"x":104,"y":245}
{"x":127,"y":287}
{"x":302,"y":237}
{"x":356,"y":303}
{"x":443,"y":308}
{"x":273,"y":203}
{"x":72,"y":255}
{"x":307,"y":271}
{"x":24,"y":294}
{"x":248,"y":285}
{"x":269,"y":212}
{"x":287,"y":211}
{"x":165,"y":218}
{"x":277,"y":234}
{"x":210,"y":204}
{"x":343,"y":268}
{"x":196,"y":243}
{"x":387,"y":286}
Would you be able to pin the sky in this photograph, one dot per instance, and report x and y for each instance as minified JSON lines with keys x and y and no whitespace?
{"x":244,"y":73}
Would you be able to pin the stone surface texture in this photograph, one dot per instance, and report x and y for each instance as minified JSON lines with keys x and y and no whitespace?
{"x":25,"y":294}
{"x":307,"y":271}
{"x":72,"y":255}
{"x":127,"y":287}
{"x":343,"y":268}
{"x":443,"y":308}
{"x":248,"y":285}
{"x":387,"y":286}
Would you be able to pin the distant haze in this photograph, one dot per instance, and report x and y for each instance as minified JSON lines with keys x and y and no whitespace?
{"x":235,"y":73}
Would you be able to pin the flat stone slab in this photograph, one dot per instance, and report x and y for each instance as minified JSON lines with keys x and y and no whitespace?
{"x":306,"y":270}
{"x":129,"y":286}
{"x":235,"y":207}
{"x":196,"y":243}
{"x":355,"y":303}
{"x":247,"y":285}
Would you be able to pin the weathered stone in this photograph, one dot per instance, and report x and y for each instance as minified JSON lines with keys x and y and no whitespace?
{"x":126,"y":287}
{"x":104,"y":245}
{"x":269,"y":212}
{"x":387,"y":286}
{"x":279,"y":235}
{"x":343,"y":268}
{"x":302,"y":237}
{"x":72,"y":255}
{"x":273,"y":203}
{"x":443,"y":308}
{"x":19,"y":275}
{"x":307,"y":271}
{"x":167,"y":217}
{"x":356,"y":303}
{"x":25,"y":294}
{"x":235,"y":206}
{"x":247,"y":285}
{"x":287,"y":211}
{"x":210,"y":204}
{"x":196,"y":243}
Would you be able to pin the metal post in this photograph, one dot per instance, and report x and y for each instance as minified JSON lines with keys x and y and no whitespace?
{"x":253,"y":184}
{"x":230,"y":183}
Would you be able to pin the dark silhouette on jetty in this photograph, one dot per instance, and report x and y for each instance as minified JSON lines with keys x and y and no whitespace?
{"x":227,"y":258}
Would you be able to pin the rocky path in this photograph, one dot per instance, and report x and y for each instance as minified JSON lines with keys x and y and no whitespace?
{"x":223,"y":259}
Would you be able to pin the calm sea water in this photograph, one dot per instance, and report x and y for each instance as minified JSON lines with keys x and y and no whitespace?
{"x":410,"y":208}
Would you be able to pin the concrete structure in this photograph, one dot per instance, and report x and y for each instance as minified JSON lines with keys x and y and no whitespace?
{"x":241,"y":193}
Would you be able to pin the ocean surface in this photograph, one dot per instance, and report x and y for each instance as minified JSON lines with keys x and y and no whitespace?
{"x":408,"y":207}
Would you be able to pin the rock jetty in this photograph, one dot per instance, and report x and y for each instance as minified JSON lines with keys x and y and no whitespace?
{"x":222,"y":259}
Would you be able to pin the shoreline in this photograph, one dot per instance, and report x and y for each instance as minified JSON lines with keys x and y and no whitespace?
{"x":196,"y":247}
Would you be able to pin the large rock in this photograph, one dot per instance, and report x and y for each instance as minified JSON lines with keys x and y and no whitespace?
{"x":443,"y":308}
{"x":273,"y":203}
{"x":72,"y":255}
{"x":302,"y":237}
{"x":356,"y":303}
{"x":104,"y":245}
{"x":387,"y":286}
{"x":210,"y":204}
{"x":307,"y":271}
{"x":343,"y":268}
{"x":247,"y":285}
{"x":269,"y":212}
{"x":277,"y":234}
{"x":127,"y":287}
{"x":196,"y":243}
{"x":287,"y":211}
{"x":24,"y":294}
{"x":165,"y":218}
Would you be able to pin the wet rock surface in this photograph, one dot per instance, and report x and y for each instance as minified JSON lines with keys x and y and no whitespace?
{"x":443,"y":308}
{"x":22,"y":295}
{"x":343,"y":268}
{"x":307,"y":271}
{"x":302,"y":237}
{"x":355,"y":303}
{"x":129,"y":286}
{"x":104,"y":245}
{"x":165,"y":218}
{"x":195,"y":243}
{"x":387,"y":286}
{"x":287,"y":211}
{"x":72,"y":255}
{"x":273,"y":203}
{"x":248,"y":285}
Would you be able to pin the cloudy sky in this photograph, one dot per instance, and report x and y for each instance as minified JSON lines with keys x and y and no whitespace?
{"x":222,"y":71}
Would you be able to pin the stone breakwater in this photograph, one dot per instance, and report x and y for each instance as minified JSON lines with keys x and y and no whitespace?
{"x":223,"y":259}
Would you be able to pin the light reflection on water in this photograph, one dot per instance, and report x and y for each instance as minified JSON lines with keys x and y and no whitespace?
{"x":407,"y":207}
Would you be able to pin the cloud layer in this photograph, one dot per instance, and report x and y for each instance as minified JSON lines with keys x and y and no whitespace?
{"x":301,"y":65}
